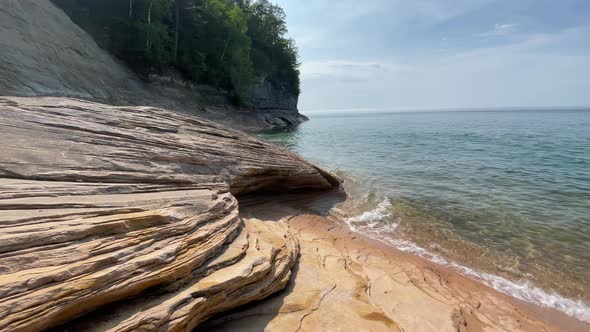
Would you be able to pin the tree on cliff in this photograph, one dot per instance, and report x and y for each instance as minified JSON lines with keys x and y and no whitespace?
{"x":273,"y":54}
{"x":225,"y":43}
{"x":177,"y":5}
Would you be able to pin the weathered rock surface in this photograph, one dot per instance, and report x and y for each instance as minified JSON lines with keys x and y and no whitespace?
{"x":128,"y":215}
{"x":265,"y":95}
{"x":346,"y":282}
{"x":44,"y":53}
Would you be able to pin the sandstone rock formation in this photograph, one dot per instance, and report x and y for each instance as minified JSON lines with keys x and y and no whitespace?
{"x":43,"y":53}
{"x":128,"y":216}
{"x":346,"y":282}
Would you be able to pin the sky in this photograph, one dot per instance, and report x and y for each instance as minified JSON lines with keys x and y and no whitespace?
{"x":441,"y":54}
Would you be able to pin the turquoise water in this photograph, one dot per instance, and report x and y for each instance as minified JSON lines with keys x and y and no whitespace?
{"x":503,"y":196}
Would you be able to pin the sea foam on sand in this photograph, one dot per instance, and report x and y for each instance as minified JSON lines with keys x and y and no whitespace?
{"x":371,"y":223}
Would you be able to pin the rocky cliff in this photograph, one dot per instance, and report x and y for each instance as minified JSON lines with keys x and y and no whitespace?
{"x":128,"y":216}
{"x":43,"y":53}
{"x":266,"y":95}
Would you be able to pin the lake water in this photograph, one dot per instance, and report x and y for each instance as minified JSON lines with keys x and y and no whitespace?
{"x":500,"y":196}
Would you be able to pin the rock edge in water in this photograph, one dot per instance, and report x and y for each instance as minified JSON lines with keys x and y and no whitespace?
{"x":127,"y":215}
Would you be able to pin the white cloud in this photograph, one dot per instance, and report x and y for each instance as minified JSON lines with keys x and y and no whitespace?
{"x":527,"y":73}
{"x":499,"y":30}
{"x":351,"y":70}
{"x":346,"y":49}
{"x":317,"y":23}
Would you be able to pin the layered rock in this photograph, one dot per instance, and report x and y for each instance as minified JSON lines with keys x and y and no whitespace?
{"x":346,"y":282}
{"x":127,"y":215}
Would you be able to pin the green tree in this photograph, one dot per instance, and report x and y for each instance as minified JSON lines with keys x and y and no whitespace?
{"x":274,"y":55}
{"x":154,"y":35}
{"x":242,"y":74}
{"x":225,"y":43}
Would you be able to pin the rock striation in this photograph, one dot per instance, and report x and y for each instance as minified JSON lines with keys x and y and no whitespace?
{"x":344,"y":281}
{"x":125,"y":218}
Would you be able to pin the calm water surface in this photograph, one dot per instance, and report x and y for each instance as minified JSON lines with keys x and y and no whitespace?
{"x":501,"y":196}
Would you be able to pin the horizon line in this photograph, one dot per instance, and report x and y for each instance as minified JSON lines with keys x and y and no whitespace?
{"x":449,"y":109}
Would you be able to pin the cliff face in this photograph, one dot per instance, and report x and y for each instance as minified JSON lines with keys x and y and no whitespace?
{"x":43,"y":53}
{"x":128,"y":215}
{"x":265,"y":95}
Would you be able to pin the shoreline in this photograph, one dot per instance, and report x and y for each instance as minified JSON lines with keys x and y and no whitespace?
{"x":398,"y":286}
{"x":521,"y":290}
{"x":557,"y":316}
{"x":525,"y":291}
{"x":510,"y":221}
{"x":547,"y":315}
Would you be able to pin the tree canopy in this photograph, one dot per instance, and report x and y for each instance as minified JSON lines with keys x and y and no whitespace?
{"x":225,"y":43}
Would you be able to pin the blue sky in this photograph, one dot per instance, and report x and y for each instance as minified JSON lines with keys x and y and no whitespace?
{"x":428,"y":54}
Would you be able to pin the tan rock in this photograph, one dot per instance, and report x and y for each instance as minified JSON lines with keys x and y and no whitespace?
{"x":128,"y":214}
{"x":347,"y":282}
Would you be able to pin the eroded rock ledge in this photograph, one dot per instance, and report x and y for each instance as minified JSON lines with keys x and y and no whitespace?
{"x":127,"y":215}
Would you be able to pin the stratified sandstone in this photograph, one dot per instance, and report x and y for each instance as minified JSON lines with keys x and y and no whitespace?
{"x":344,"y":281}
{"x":128,"y":217}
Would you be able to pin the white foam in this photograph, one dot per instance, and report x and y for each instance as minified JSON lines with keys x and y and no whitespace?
{"x":521,"y":290}
{"x":524,"y":291}
{"x":373,"y":216}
